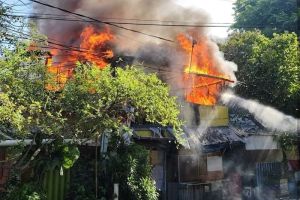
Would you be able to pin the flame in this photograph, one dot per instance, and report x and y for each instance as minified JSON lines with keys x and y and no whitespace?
{"x":93,"y":48}
{"x":203,"y":81}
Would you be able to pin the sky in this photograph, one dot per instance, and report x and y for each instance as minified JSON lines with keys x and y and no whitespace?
{"x":219,"y":11}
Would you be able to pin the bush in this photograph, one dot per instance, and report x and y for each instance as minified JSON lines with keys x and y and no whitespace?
{"x":26,"y":191}
{"x":130,"y":167}
{"x":127,"y":165}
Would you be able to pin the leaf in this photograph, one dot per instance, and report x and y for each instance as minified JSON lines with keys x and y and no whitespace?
{"x":70,"y":155}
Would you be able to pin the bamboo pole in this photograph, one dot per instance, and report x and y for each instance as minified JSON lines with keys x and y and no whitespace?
{"x":212,"y":76}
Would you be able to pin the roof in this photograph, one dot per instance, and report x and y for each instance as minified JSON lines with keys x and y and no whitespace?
{"x":266,"y":122}
{"x":245,"y":124}
{"x":153,"y":132}
{"x":212,"y":137}
{"x":153,"y":135}
{"x":217,"y":135}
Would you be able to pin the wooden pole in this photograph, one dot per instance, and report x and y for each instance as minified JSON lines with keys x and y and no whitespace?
{"x":116,"y":191}
{"x":212,"y":76}
{"x":96,"y":166}
{"x":191,"y":58}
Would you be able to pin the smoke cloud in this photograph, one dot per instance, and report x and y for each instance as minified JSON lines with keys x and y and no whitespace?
{"x":150,"y":51}
{"x":165,"y":58}
{"x":269,"y":117}
{"x":139,"y":11}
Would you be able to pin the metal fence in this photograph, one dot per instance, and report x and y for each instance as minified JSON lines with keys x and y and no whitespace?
{"x":56,"y":183}
{"x":268,"y":176}
{"x":187,"y":191}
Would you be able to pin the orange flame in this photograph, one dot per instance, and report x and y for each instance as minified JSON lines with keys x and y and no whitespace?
{"x":93,"y":48}
{"x":202,"y":79}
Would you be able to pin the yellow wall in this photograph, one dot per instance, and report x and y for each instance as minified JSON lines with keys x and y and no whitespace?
{"x":214,"y":115}
{"x":144,"y":133}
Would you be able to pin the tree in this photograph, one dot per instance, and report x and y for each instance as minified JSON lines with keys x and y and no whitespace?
{"x":268,"y":68}
{"x":22,"y":80}
{"x":11,"y":117}
{"x":8,"y":26}
{"x":92,"y":102}
{"x":267,"y":15}
{"x":98,"y":100}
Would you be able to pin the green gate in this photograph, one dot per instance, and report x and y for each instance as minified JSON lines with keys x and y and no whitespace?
{"x":56,"y":183}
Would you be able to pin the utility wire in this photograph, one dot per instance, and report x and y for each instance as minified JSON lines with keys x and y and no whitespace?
{"x":24,"y":4}
{"x":82,"y":20}
{"x":222,"y":25}
{"x":52,"y":47}
{"x":99,"y":21}
{"x":119,"y":35}
{"x":207,"y":25}
{"x":120,"y":19}
{"x":67,"y":47}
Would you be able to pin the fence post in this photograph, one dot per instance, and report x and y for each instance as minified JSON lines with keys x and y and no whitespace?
{"x":116,"y":191}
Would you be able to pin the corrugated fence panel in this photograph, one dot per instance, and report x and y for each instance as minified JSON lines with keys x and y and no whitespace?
{"x":268,"y":176}
{"x":186,"y":192}
{"x":56,"y":184}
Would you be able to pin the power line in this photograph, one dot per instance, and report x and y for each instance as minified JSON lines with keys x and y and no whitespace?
{"x":99,"y":21}
{"x":221,"y":25}
{"x":66,"y":47}
{"x":207,"y":25}
{"x":120,"y":19}
{"x":24,"y":4}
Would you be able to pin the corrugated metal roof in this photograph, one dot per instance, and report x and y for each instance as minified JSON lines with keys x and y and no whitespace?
{"x":245,"y":124}
{"x":212,"y":136}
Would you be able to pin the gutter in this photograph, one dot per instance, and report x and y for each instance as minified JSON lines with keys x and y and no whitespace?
{"x":7,"y":143}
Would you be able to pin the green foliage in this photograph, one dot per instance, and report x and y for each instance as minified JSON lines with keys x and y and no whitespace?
{"x":91,"y":102}
{"x":70,"y":155}
{"x":148,"y":189}
{"x":287,"y":141}
{"x":27,"y":191}
{"x":11,"y":117}
{"x":268,"y":68}
{"x":129,"y":166}
{"x":82,"y":183}
{"x":56,"y":154}
{"x":99,"y":101}
{"x":267,"y":15}
{"x":14,"y":29}
{"x":22,"y":80}
{"x":6,"y":23}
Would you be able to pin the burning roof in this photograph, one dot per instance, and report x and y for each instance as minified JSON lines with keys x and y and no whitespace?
{"x":94,"y":48}
{"x":203,"y":71}
{"x":203,"y":79}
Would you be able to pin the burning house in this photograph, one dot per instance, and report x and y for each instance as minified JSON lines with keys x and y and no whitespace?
{"x":196,"y":171}
{"x":208,"y":165}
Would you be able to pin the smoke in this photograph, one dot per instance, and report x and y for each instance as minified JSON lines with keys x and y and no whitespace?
{"x":148,"y":50}
{"x":227,"y":67}
{"x":165,"y":58}
{"x":269,"y":117}
{"x":139,"y":11}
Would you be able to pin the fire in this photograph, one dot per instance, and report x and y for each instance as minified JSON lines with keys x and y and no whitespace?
{"x":203,"y":81}
{"x":93,"y":48}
